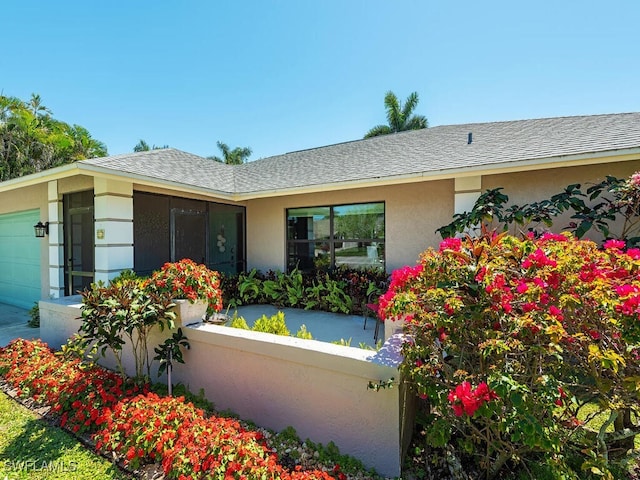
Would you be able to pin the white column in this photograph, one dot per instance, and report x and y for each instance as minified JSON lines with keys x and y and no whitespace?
{"x":467,"y":191}
{"x":56,"y":241}
{"x":113,"y":209}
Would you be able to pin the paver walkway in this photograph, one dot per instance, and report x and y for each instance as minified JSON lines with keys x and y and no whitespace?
{"x":13,"y":324}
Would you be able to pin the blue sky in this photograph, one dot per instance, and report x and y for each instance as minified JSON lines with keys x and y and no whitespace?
{"x":285,"y":75}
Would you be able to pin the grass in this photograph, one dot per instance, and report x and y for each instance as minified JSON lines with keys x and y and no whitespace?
{"x":31,"y":448}
{"x":597,"y":419}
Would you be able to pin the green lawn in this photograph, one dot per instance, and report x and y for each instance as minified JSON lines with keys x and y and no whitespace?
{"x":30,"y":448}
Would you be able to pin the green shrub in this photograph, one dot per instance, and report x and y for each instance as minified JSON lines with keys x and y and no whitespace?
{"x":126,"y":310}
{"x":274,"y":324}
{"x":34,"y":316}
{"x":239,"y":322}
{"x":304,"y":333}
{"x":343,"y":289}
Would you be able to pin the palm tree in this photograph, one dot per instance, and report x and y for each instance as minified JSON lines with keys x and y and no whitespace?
{"x":400,"y":118}
{"x":237,"y":156}
{"x":84,"y":145}
{"x":143,"y":146}
{"x":31,"y":140}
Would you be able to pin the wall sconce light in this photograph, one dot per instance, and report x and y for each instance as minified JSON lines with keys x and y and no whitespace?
{"x":41,"y":229}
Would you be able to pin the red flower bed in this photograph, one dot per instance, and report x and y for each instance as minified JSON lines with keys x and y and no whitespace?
{"x":139,"y":426}
{"x":77,"y":392}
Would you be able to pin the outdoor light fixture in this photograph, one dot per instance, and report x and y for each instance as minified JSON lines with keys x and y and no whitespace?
{"x":41,"y":229}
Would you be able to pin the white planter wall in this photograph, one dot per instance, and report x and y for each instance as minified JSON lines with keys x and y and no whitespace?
{"x":318,"y":388}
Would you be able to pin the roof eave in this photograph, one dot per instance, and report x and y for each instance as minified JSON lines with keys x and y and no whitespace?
{"x":542,"y":163}
{"x":40,"y":177}
{"x":96,"y":170}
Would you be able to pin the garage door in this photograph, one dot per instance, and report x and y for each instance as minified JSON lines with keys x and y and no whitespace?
{"x":19,"y":259}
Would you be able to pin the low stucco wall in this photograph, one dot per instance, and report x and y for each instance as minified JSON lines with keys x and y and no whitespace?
{"x":318,"y":388}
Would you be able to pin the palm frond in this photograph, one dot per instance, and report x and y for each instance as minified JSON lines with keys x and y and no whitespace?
{"x":410,"y":105}
{"x":416,"y":122}
{"x":378,"y":130}
{"x":394,"y":112}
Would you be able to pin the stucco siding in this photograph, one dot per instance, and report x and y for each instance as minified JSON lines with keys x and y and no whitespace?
{"x":27,"y":198}
{"x":527,"y":187}
{"x":76,"y":183}
{"x":412,"y":213}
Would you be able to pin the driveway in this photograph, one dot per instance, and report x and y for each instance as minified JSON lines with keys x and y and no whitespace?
{"x":13,"y":324}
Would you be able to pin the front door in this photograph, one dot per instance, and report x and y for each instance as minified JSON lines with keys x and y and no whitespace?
{"x":79,"y":244}
{"x":189,"y":235}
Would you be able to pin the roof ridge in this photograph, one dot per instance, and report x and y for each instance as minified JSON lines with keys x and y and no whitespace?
{"x":535,"y":119}
{"x":437,"y":127}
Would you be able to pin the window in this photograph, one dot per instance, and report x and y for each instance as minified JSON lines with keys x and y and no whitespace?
{"x":328,"y":237}
{"x":171,"y":228}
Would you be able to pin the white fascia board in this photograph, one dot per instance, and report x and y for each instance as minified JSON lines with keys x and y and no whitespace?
{"x":40,"y":177}
{"x":138,"y":179}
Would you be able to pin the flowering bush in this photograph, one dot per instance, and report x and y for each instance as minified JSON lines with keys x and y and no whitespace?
{"x":509,"y":339}
{"x":189,"y":280}
{"x":149,"y":428}
{"x":140,"y":426}
{"x":75,"y":391}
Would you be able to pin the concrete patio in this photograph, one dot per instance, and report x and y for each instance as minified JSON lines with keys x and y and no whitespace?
{"x":13,"y":324}
{"x":324,"y":326}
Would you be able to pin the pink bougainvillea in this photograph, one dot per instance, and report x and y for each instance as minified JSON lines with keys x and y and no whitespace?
{"x":522,"y":319}
{"x":466,"y":400}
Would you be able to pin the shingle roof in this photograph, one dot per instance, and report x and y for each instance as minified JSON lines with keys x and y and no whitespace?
{"x":419,"y":152}
{"x":172,"y":165}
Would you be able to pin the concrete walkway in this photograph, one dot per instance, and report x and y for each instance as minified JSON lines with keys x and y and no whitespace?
{"x":13,"y":324}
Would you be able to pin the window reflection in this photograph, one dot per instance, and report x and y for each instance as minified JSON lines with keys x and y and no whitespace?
{"x":352,"y":235}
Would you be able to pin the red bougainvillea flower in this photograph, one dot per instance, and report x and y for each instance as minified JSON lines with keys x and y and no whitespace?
{"x":562,"y":395}
{"x":614,"y":244}
{"x":454,"y":244}
{"x":465,"y":399}
{"x":538,"y":259}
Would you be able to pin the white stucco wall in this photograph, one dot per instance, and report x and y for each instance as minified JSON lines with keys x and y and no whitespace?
{"x":318,"y":388}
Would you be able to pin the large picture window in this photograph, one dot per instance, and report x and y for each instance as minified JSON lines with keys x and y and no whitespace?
{"x":328,"y":237}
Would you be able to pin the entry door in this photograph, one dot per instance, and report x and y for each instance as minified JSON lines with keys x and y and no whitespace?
{"x":189,"y":235}
{"x":79,"y":244}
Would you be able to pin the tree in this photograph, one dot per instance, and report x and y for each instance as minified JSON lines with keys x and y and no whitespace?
{"x":237,"y":156}
{"x":31,"y":140}
{"x":143,"y":146}
{"x":400,"y":118}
